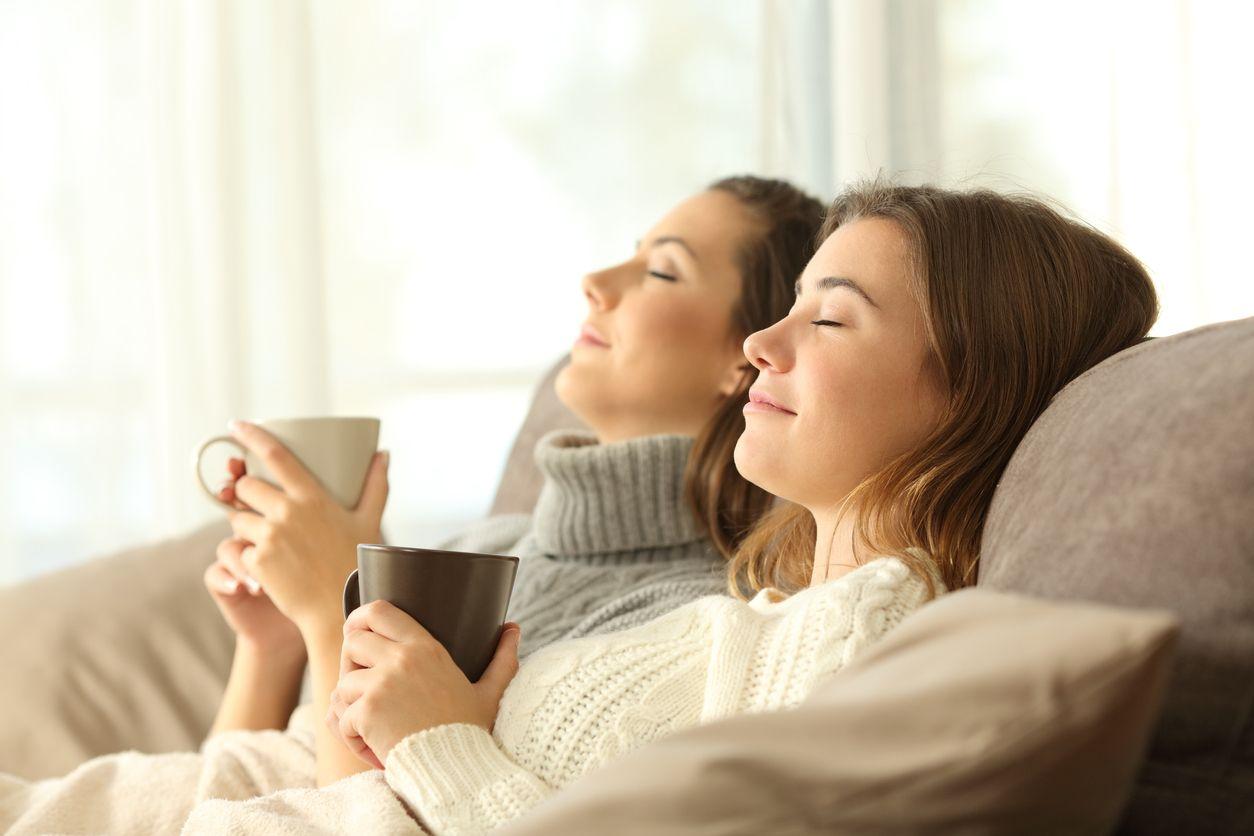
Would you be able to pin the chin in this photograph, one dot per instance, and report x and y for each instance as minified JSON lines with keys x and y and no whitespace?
{"x":572,"y":390}
{"x":764,"y":464}
{"x":751,"y":463}
{"x":580,"y":393}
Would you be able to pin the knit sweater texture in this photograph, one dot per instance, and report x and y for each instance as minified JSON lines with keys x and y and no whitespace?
{"x":578,"y":704}
{"x":609,"y":546}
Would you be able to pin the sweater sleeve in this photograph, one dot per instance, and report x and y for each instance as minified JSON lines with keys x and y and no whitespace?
{"x":457,"y":780}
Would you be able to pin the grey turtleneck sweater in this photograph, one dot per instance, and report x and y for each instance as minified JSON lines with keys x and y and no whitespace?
{"x":611,"y":543}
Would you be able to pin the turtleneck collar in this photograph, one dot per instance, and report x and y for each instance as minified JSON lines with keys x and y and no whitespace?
{"x":619,"y":497}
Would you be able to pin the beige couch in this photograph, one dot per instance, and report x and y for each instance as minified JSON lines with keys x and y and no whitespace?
{"x":1135,"y":488}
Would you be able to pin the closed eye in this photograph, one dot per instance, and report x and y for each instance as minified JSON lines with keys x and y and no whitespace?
{"x":828,"y":322}
{"x":664,"y":276}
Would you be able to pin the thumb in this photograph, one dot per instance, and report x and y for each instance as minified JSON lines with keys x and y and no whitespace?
{"x":504,"y":664}
{"x":374,"y":494}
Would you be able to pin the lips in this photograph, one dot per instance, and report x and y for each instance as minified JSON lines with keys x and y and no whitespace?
{"x":759,"y":401}
{"x":591,"y":336}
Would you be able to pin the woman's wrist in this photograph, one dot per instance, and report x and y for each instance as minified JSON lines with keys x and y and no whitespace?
{"x":263,"y":688}
{"x":283,"y":656}
{"x":323,"y":626}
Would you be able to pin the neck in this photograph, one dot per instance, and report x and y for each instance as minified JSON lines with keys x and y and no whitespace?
{"x":833,"y":547}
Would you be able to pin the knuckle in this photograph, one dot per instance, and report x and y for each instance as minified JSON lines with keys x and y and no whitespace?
{"x":278,"y":455}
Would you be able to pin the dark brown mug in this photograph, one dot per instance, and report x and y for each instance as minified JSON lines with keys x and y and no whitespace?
{"x":459,"y":597}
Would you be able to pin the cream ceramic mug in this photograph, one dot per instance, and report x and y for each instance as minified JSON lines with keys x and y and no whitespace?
{"x":337,"y":451}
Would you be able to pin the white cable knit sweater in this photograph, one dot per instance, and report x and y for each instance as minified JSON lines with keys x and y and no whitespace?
{"x":577,"y":704}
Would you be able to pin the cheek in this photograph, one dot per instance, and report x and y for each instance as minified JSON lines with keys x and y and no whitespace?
{"x":677,"y":336}
{"x":863,"y":414}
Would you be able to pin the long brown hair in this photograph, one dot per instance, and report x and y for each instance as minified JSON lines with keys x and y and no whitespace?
{"x":787,"y":222}
{"x":1018,"y":300}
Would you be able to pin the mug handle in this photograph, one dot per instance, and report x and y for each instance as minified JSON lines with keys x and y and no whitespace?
{"x":352,"y":593}
{"x":200,"y":455}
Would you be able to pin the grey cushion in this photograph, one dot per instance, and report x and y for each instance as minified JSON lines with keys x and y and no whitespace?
{"x":1136,"y":488}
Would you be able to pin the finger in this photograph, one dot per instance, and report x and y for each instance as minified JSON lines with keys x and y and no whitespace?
{"x":347,"y":665}
{"x":259,"y":494}
{"x":504,"y":665}
{"x":367,"y":754}
{"x":352,"y":685}
{"x":249,"y":525}
{"x":235,"y":467}
{"x":386,"y":619}
{"x":374,"y":495}
{"x":226,"y":494}
{"x":248,"y":557}
{"x":367,"y":648}
{"x":230,"y":556}
{"x":350,"y":734}
{"x":219,"y":579}
{"x":292,"y":476}
{"x":335,"y":707}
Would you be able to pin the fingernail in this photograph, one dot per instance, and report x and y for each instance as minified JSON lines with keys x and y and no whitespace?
{"x":253,"y":586}
{"x":230,"y":587}
{"x":234,"y":425}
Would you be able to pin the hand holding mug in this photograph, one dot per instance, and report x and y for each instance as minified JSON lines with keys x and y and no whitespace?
{"x":302,"y":542}
{"x":396,"y":679}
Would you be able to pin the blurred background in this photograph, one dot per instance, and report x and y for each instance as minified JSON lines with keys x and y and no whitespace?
{"x":214,"y":209}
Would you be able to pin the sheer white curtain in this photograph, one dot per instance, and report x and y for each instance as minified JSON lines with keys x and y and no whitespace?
{"x":1132,"y":114}
{"x":218,"y":208}
{"x":159,"y":257}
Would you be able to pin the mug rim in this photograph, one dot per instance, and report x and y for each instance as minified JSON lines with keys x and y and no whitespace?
{"x":282,"y":418}
{"x":384,"y":548}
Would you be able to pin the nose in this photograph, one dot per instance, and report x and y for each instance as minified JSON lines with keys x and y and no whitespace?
{"x":767,"y":350}
{"x":601,"y":290}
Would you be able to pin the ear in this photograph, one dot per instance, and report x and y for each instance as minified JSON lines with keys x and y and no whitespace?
{"x":735,"y":377}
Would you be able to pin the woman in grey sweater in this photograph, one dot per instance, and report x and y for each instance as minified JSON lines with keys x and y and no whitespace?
{"x":635,"y":517}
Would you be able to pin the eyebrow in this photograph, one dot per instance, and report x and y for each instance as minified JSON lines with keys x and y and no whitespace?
{"x":671,"y":239}
{"x":833,"y":282}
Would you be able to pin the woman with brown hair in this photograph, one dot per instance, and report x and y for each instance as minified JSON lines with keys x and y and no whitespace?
{"x":930,"y":329}
{"x":635,"y":518}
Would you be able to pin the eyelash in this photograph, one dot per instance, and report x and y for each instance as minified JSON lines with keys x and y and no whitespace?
{"x":827,"y":322}
{"x":664,"y":276}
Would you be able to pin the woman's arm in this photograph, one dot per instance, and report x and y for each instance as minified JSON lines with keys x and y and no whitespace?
{"x":303,"y":544}
{"x":335,"y":760}
{"x":264,"y":685}
{"x":262,"y":691}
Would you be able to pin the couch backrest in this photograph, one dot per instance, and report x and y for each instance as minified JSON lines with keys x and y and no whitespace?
{"x":520,"y":482}
{"x":1136,"y":487}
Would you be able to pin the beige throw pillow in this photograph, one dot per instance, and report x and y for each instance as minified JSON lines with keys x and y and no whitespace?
{"x":121,"y":652}
{"x":982,"y":713}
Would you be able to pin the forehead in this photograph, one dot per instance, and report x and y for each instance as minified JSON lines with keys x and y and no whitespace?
{"x":871,"y":251}
{"x":712,"y":223}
